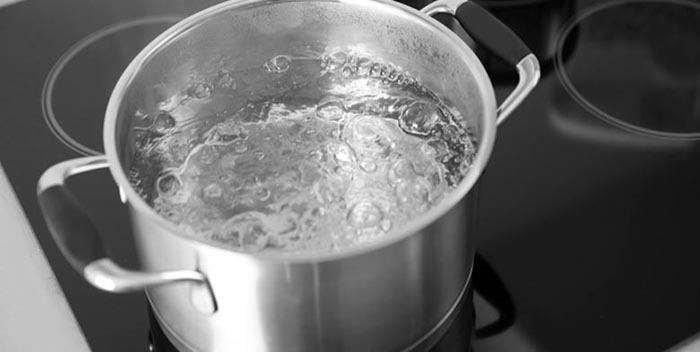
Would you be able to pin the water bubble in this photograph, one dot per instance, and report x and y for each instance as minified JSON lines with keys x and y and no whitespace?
{"x":365,"y":214}
{"x":384,"y":72}
{"x":440,"y":149}
{"x":352,"y":62}
{"x":401,"y":79}
{"x":140,"y":114}
{"x":405,"y":80}
{"x":169,"y":104}
{"x":397,"y":107}
{"x":134,"y":175}
{"x":464,"y":167}
{"x":163,"y":122}
{"x":212,"y":137}
{"x":212,"y":191}
{"x":329,"y":192}
{"x":317,"y":155}
{"x":207,"y":155}
{"x":368,"y":136}
{"x":259,"y":155}
{"x":200,"y":91}
{"x":364,"y":128}
{"x":347,"y":71}
{"x":392,"y":75}
{"x":401,"y":170}
{"x":412,"y":194}
{"x":323,"y":62}
{"x":240,"y":132}
{"x":225,"y":80}
{"x":240,"y":147}
{"x":262,"y":194}
{"x":385,"y":225}
{"x":331,"y":110}
{"x":217,"y":136}
{"x":176,"y":148}
{"x":341,"y":152}
{"x":434,"y":180}
{"x":363,"y":65}
{"x":167,"y":209}
{"x":253,"y":237}
{"x":250,"y":179}
{"x":168,"y":184}
{"x":374,"y":107}
{"x":317,"y":211}
{"x":278,"y":64}
{"x":226,"y":178}
{"x":143,"y":140}
{"x":375,"y":70}
{"x":419,"y":119}
{"x":336,"y":60}
{"x":368,"y":165}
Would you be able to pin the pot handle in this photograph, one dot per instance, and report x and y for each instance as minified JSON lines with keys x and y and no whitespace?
{"x":492,"y":34}
{"x":79,"y":241}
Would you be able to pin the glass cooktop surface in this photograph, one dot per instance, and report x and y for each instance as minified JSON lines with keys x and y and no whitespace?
{"x":587,"y":235}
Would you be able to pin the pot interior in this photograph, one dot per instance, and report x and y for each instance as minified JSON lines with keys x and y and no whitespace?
{"x":185,"y":70}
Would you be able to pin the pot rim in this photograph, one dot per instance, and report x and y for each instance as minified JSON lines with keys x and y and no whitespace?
{"x":484,"y":143}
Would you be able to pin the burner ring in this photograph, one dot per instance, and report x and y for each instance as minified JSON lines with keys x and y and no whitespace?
{"x":571,"y":87}
{"x":47,"y":103}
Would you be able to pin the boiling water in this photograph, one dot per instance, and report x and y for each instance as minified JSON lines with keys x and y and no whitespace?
{"x":300,"y":154}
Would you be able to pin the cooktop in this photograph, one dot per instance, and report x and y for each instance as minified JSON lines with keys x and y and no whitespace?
{"x":587,"y":233}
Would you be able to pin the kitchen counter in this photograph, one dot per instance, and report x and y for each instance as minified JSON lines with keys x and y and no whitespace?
{"x":33,"y":301}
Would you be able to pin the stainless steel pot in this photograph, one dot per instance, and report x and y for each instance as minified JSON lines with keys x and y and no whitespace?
{"x":389,"y":295}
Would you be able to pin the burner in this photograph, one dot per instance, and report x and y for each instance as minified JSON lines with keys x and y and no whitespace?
{"x":456,"y":338}
{"x":157,"y":341}
{"x":78,"y":87}
{"x":637,"y":65}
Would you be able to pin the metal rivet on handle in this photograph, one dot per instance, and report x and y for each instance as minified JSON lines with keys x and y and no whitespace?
{"x":201,"y":298}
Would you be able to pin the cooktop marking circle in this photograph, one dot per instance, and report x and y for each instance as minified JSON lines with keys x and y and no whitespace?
{"x":571,"y":88}
{"x":47,"y":103}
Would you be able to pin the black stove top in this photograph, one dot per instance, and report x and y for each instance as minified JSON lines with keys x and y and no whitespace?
{"x":588,"y":208}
